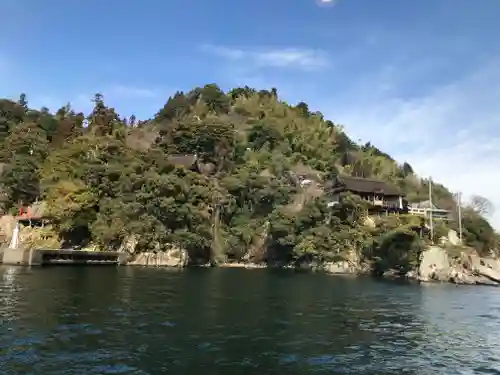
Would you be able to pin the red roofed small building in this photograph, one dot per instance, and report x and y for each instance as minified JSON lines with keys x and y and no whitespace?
{"x":32,"y":215}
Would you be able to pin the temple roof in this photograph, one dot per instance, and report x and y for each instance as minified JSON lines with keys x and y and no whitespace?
{"x":365,"y":185}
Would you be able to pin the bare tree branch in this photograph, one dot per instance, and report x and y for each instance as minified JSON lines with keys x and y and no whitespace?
{"x":481,"y":205}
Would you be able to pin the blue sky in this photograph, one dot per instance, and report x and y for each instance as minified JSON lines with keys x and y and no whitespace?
{"x":420,"y":79}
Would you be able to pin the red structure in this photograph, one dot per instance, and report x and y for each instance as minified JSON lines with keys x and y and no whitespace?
{"x":33,"y":213}
{"x":24,"y":212}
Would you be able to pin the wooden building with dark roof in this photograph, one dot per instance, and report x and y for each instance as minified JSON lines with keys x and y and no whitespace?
{"x":380,"y":194}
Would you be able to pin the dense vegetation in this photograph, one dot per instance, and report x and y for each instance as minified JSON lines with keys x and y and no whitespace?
{"x":105,"y":178}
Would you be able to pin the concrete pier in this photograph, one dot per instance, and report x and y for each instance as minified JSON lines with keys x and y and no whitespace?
{"x":39,"y":257}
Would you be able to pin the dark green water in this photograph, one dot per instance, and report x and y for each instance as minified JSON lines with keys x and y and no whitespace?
{"x":86,"y":320}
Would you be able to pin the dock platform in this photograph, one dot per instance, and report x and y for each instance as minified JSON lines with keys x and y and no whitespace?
{"x":40,"y":257}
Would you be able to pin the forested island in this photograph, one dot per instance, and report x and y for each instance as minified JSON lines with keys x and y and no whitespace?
{"x":228,"y":177}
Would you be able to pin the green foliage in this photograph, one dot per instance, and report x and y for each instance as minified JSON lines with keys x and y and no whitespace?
{"x":407,"y":169}
{"x":478,"y":233}
{"x":11,"y":114}
{"x":264,"y":134}
{"x":24,"y":150}
{"x":177,"y":106}
{"x":398,"y":249}
{"x":213,"y":139}
{"x":324,"y":233}
{"x":112,"y":179}
{"x":103,"y":120}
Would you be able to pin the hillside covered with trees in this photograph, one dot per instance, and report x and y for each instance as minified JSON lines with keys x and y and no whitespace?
{"x":104,"y":178}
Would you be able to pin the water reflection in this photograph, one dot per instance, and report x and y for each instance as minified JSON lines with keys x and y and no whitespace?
{"x":65,"y":320}
{"x":467,"y":323}
{"x":8,"y":293}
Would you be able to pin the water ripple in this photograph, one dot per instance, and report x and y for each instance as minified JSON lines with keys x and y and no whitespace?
{"x":152,"y":321}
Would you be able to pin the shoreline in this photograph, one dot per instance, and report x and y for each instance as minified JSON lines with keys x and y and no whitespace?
{"x":388,"y":276}
{"x":252,"y":266}
{"x":435,"y":264}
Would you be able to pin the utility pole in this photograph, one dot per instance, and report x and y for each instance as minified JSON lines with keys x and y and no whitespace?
{"x":459,"y":203}
{"x":431,"y":224}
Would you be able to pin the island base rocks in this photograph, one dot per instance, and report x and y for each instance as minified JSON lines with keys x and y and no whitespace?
{"x":466,"y":267}
{"x":170,"y":258}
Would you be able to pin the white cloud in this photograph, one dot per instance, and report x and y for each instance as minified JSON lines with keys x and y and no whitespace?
{"x":451,"y":133}
{"x":225,"y":52}
{"x":326,"y":2}
{"x":297,"y":58}
{"x":290,"y":57}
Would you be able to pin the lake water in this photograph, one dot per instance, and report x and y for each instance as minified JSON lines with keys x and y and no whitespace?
{"x":107,"y":320}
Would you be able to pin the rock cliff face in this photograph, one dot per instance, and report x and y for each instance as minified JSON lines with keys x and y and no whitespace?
{"x":169,"y":258}
{"x":340,"y":268}
{"x":7,"y":224}
{"x":464,"y":266}
{"x":352,"y":265}
{"x":467,"y":267}
{"x":173,"y":257}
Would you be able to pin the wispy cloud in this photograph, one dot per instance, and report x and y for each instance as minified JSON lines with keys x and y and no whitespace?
{"x":303,"y":58}
{"x":296,"y":58}
{"x":326,"y":3}
{"x":224,"y":52}
{"x":450,"y":133}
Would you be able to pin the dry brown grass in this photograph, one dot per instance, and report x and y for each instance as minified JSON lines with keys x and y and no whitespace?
{"x":141,"y":139}
{"x":306,"y":194}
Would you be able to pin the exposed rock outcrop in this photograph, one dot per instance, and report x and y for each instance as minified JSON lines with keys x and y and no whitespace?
{"x":243,"y":265}
{"x":434,"y":264}
{"x":129,"y":244}
{"x":485,"y":267}
{"x":467,"y":268}
{"x":169,"y":258}
{"x":351,"y":265}
{"x":258,"y":251}
{"x":341,"y":268}
{"x":450,"y":239}
{"x":7,"y":223}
